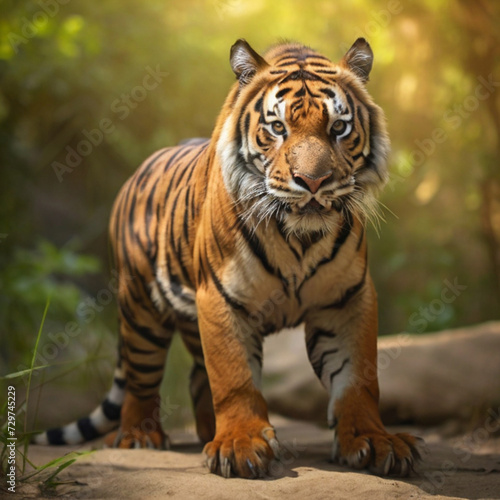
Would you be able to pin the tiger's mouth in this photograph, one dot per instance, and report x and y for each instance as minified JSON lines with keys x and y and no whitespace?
{"x":313,"y":206}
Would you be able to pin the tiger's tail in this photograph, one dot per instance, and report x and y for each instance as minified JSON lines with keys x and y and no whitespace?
{"x":102,"y":420}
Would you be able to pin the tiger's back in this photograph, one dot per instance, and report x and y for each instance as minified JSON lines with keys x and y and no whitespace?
{"x":153,"y":226}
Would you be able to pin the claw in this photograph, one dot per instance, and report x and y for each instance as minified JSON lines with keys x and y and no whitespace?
{"x":271,"y":441}
{"x":149,"y":443}
{"x":275,"y":446}
{"x":404,"y":467}
{"x":211,"y":464}
{"x":137,"y":445}
{"x":117,"y":439}
{"x":388,"y":464}
{"x":225,"y":468}
{"x":252,"y":469}
{"x":335,"y":449}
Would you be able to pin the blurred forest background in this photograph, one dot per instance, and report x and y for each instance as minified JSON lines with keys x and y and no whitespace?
{"x":77,"y":117}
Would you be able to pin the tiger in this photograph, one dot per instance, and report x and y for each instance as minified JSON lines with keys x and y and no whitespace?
{"x":273,"y":209}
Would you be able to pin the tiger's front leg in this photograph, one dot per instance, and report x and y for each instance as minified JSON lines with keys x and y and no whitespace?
{"x":244,"y":441}
{"x":342,"y":348}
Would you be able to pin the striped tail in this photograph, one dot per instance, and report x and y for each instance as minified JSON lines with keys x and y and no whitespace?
{"x":102,"y":420}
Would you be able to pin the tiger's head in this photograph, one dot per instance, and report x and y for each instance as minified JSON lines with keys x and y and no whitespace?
{"x":300,"y":139}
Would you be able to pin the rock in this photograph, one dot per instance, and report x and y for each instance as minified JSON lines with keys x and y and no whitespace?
{"x":424,"y":379}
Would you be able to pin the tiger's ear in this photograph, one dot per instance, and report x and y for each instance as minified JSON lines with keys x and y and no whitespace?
{"x":359,"y":59}
{"x":245,"y":62}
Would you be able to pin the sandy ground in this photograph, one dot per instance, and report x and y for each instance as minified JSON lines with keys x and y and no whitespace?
{"x":462,"y":467}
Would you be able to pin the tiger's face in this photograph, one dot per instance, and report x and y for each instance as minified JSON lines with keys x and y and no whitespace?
{"x":303,"y":140}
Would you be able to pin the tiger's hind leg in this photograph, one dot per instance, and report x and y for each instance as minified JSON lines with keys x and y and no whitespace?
{"x":144,"y":344}
{"x":199,"y":385}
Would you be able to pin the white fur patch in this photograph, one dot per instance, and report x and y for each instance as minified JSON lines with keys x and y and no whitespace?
{"x":185,"y":302}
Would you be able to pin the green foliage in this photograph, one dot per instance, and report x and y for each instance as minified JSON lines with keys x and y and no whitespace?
{"x":43,"y":474}
{"x":32,"y":276}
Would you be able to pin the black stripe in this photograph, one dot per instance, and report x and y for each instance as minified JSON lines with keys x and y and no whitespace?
{"x":176,"y":243}
{"x":336,"y":372}
{"x":281,"y":231}
{"x":326,"y":71}
{"x":258,"y":359}
{"x":361,"y":238}
{"x":328,"y":92}
{"x":300,"y":93}
{"x":186,"y":215}
{"x":303,"y":75}
{"x":316,"y":335}
{"x":143,"y":331}
{"x":182,"y":169}
{"x":111,"y":410}
{"x":350,"y":103}
{"x":355,"y":142}
{"x":348,"y":294}
{"x":216,"y":239}
{"x":247,"y":124}
{"x":318,"y":366}
{"x":193,"y":162}
{"x":256,"y":247}
{"x":86,"y":427}
{"x":235,"y":304}
{"x":144,"y":367}
{"x":282,"y":92}
{"x":151,"y":385}
{"x":55,"y":436}
{"x":199,"y":372}
{"x":131,"y":213}
{"x":317,"y":65}
{"x":177,"y":290}
{"x":120,"y":382}
{"x":146,"y":170}
{"x":362,"y":124}
{"x":344,"y":233}
{"x":151,"y":250}
{"x":179,"y":154}
{"x":258,"y":104}
{"x":137,"y":350}
{"x":286,"y":61}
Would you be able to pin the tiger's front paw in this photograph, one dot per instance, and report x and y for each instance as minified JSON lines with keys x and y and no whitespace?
{"x":382,"y":453}
{"x":243,"y":451}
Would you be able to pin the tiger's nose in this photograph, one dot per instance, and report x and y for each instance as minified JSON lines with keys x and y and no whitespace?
{"x":312,"y":184}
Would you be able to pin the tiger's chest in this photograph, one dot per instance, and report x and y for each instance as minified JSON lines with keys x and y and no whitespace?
{"x":280,"y":281}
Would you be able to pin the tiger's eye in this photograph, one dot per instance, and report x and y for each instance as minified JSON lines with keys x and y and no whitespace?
{"x":338,"y":127}
{"x":278,"y":127}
